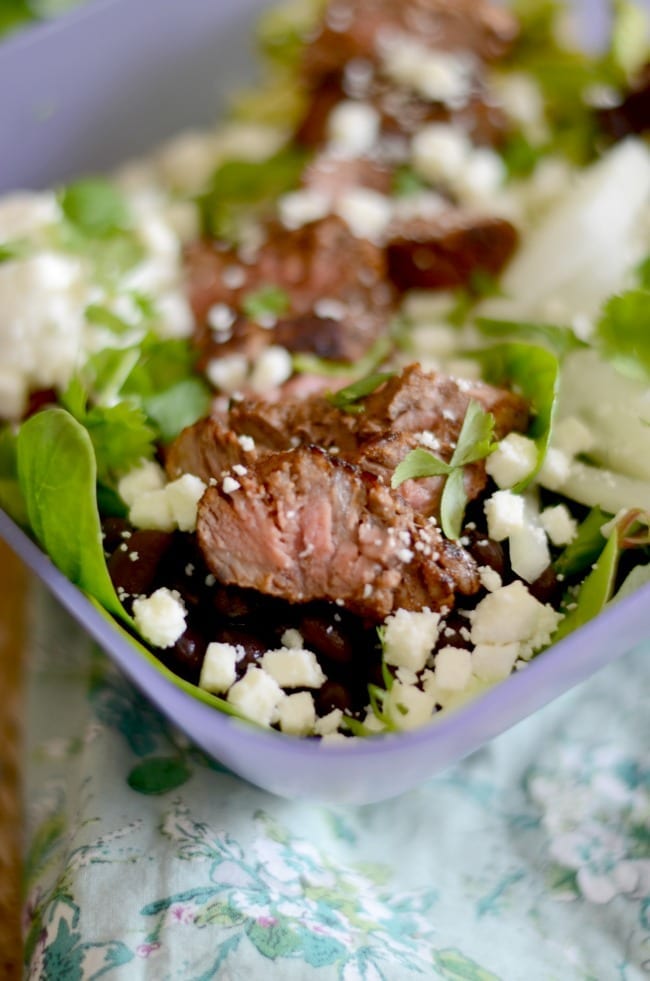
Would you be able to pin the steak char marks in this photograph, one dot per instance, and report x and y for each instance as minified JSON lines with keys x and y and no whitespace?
{"x":308,"y":513}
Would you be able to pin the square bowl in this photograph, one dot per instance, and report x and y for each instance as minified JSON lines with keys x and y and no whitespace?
{"x":101,"y":86}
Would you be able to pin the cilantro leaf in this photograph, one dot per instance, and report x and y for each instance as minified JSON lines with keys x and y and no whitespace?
{"x":178,"y":406}
{"x":241,"y":188}
{"x":267,"y":301}
{"x":406,"y":182}
{"x":95,"y":207}
{"x":347,"y":399}
{"x":475,"y":442}
{"x":623,"y":333}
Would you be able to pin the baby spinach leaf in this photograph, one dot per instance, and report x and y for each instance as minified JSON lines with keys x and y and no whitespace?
{"x":623,"y":333}
{"x":534,"y":372}
{"x":11,"y":498}
{"x":594,"y":592}
{"x":57,"y":474}
{"x":585,"y":548}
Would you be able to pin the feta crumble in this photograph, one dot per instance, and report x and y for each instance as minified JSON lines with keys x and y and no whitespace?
{"x":160,"y":618}
{"x":409,"y":638}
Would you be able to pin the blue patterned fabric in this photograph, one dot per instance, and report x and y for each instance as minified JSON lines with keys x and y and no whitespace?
{"x":529,"y":860}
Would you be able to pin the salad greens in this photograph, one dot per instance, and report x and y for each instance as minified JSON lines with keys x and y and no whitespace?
{"x":348,"y":399}
{"x":57,"y":473}
{"x":475,"y":442}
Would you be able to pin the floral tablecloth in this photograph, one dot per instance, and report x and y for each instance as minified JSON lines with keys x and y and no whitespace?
{"x":145,"y":859}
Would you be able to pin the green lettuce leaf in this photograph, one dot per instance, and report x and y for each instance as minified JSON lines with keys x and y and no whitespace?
{"x":623,"y":333}
{"x":57,"y":475}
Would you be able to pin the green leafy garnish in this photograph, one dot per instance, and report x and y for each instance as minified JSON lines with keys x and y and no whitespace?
{"x":585,"y":548}
{"x":534,"y":372}
{"x":240,"y":189}
{"x":347,"y":399}
{"x":14,"y":249}
{"x":103,"y":317}
{"x":11,"y":498}
{"x":311,"y":364}
{"x":119,"y":433}
{"x":95,"y":207}
{"x":57,"y":474}
{"x":520,"y":156}
{"x":643,"y":273}
{"x":481,"y":286}
{"x":594,"y":592}
{"x":623,"y":333}
{"x":178,"y":407}
{"x":475,"y":442}
{"x":267,"y":301}
{"x":559,"y":340}
{"x":407,"y":181}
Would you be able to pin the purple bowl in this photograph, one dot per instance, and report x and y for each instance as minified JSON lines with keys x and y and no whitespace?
{"x":104,"y":84}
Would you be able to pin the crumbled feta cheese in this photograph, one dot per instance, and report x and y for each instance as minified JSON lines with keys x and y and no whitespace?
{"x":247,"y":443}
{"x":513,"y":460}
{"x":152,"y":510}
{"x":511,"y":615}
{"x":558,"y":524}
{"x":529,"y":554}
{"x":273,"y":367}
{"x":367,"y":213}
{"x":330,"y":308}
{"x":220,"y":318}
{"x":490,"y":578}
{"x":297,"y":714}
{"x":483,"y":174}
{"x":218,"y":671}
{"x":292,"y":638}
{"x":187,"y":161}
{"x":409,"y":637}
{"x":440,"y":76}
{"x":24,"y":213}
{"x":174,"y":318}
{"x":408,"y":706}
{"x":229,"y":485}
{"x":439,"y":152}
{"x":293,"y":667}
{"x":257,"y":696}
{"x":228,"y":373}
{"x":494,"y":662}
{"x":42,"y":303}
{"x":329,"y":723}
{"x":452,"y":668}
{"x":353,"y":128}
{"x":160,"y":618}
{"x":505,"y":514}
{"x":298,"y":208}
{"x":183,"y":496}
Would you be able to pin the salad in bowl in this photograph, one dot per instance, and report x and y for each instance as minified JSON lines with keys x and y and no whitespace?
{"x":340,"y":409}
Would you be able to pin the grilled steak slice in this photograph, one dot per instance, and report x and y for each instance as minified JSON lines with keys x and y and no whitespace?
{"x":413,"y":408}
{"x":416,"y":401}
{"x":353,"y":29}
{"x":306,"y":526}
{"x":447,"y":250}
{"x":320,"y":262}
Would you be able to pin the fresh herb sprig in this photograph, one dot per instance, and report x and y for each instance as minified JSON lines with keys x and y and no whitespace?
{"x":349,"y":399}
{"x":475,"y":442}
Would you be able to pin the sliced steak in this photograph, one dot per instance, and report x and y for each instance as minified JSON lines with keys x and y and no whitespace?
{"x":305,"y":526}
{"x":402,"y":113}
{"x":411,"y":409}
{"x":417,"y":401}
{"x":321,"y":267}
{"x":353,"y":29}
{"x":447,"y":250}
